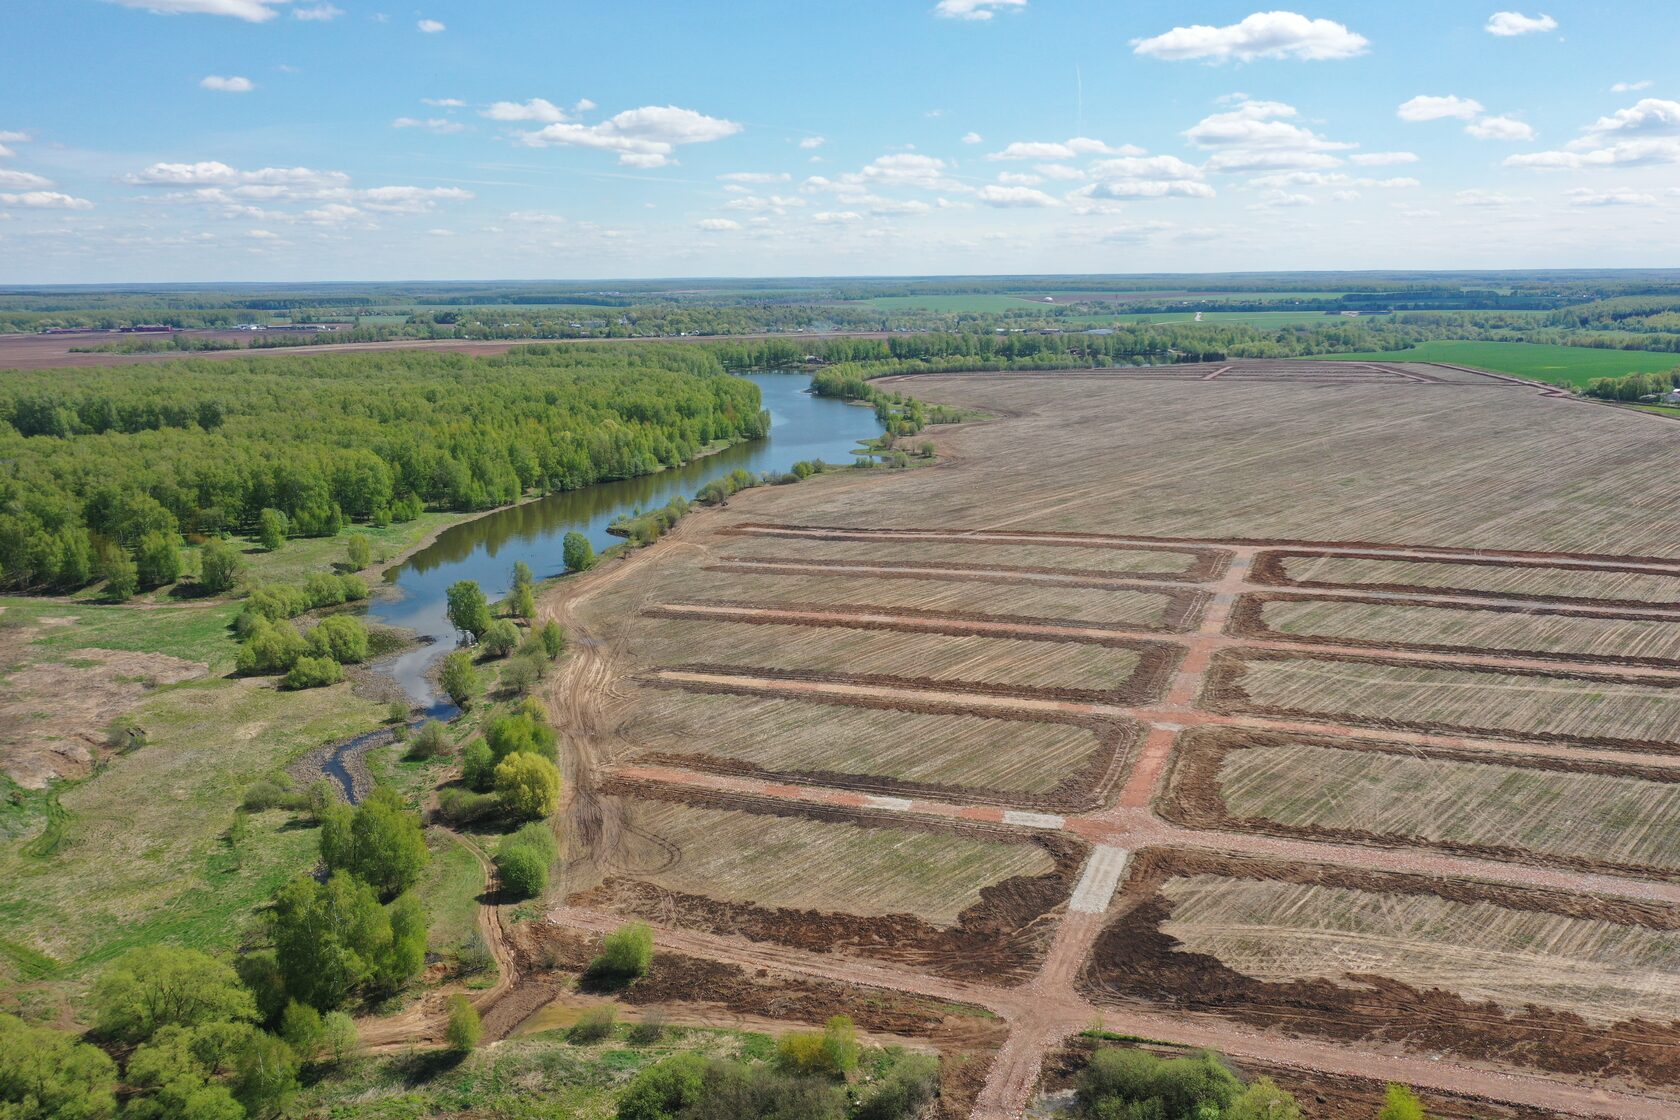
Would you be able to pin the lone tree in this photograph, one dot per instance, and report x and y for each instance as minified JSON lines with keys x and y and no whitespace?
{"x":528,"y":785}
{"x":469,"y":610}
{"x":219,"y":566}
{"x":459,"y":678}
{"x":358,"y":551}
{"x":271,"y":529}
{"x":464,"y":1029}
{"x":578,"y":553}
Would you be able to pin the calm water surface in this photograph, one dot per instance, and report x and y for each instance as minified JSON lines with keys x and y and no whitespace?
{"x":801,"y":427}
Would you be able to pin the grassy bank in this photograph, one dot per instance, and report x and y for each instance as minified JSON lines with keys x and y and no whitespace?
{"x":1562,"y":365}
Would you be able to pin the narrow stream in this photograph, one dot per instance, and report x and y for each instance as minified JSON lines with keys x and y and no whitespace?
{"x":802,"y":426}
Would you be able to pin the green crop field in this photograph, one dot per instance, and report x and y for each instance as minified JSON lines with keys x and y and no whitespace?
{"x":977,"y":303}
{"x":1563,"y":365}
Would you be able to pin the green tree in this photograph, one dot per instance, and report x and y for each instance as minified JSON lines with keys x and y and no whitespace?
{"x":118,"y":570}
{"x":626,"y":953}
{"x":522,"y":574}
{"x":478,"y":765}
{"x":359,"y":552}
{"x":905,"y":1092}
{"x":468,"y":609}
{"x":522,"y":603}
{"x":553,"y":639}
{"x":313,"y":672}
{"x":158,"y":558}
{"x":302,"y":1028}
{"x":527,"y":785}
{"x":379,"y":842}
{"x":162,"y":985}
{"x":499,"y":638}
{"x":265,"y":1076}
{"x":338,"y":1035}
{"x":48,"y":1075}
{"x":272,"y":527}
{"x":329,"y":938}
{"x":464,"y":1029}
{"x":174,"y":1074}
{"x":1400,"y":1103}
{"x":341,"y":637}
{"x":459,"y":678}
{"x":220,"y":565}
{"x":577,"y":552}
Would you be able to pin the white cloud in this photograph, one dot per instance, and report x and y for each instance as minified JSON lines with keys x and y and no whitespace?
{"x":1261,"y":35}
{"x":1487,"y":199}
{"x":1059,"y":171}
{"x":536,"y":109}
{"x":1062,"y":149}
{"x":1328,"y":179}
{"x":719,"y":225}
{"x":1014,"y":179}
{"x":901,"y":169}
{"x":972,"y":138}
{"x":1583,"y":196}
{"x":441,"y":232}
{"x":837,"y":217}
{"x":1278,"y":199}
{"x":811,"y":142}
{"x":262,"y":235}
{"x":1140,"y":177}
{"x":583,"y":105}
{"x":1257,"y":136}
{"x":1499,"y":128}
{"x":407,"y":200}
{"x":212,"y":173}
{"x":1515,"y":23}
{"x":443,"y":102}
{"x":773,"y":204}
{"x":1012,"y":197}
{"x":1645,"y":135}
{"x":1380,"y":159}
{"x":252,"y":11}
{"x":13,"y":136}
{"x":644,"y":137}
{"x":755,"y":177}
{"x":974,"y":9}
{"x":23,"y":179}
{"x":228,"y":85}
{"x":1631,"y":87}
{"x":333,"y":214}
{"x":429,"y":26}
{"x":319,"y":13}
{"x":535,"y":218}
{"x":1426,"y":108}
{"x":45,"y":200}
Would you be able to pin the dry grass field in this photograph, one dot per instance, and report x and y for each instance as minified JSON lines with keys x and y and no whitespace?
{"x":1598,"y":709}
{"x":870,"y":746}
{"x":1450,"y":627}
{"x":1514,"y":580}
{"x":1311,"y":786}
{"x":1604,"y":972}
{"x":876,"y":717}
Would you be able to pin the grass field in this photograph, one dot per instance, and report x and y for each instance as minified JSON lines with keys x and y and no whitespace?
{"x":1278,"y":931}
{"x":1563,"y":365}
{"x":997,"y":661}
{"x":795,"y":863}
{"x":451,"y":885}
{"x":793,"y":735}
{"x":1498,"y":579}
{"x":122,"y":878}
{"x":1501,"y":703}
{"x":1622,"y":820}
{"x":1425,"y":625}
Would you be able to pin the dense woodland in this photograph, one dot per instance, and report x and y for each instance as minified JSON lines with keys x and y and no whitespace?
{"x":95,"y":460}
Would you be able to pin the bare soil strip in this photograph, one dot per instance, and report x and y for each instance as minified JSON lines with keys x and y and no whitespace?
{"x":1602,"y":583}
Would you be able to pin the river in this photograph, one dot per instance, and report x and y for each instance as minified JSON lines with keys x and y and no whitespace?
{"x":802,"y":426}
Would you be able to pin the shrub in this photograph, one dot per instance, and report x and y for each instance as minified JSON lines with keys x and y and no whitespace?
{"x":595,"y":1024}
{"x":301,"y":1027}
{"x":396,"y":711}
{"x":379,"y":842}
{"x":323,"y":589}
{"x":341,"y":637}
{"x":577,"y":552}
{"x":906,"y":1090}
{"x":1400,"y":1103}
{"x":219,"y":565}
{"x":313,"y":672}
{"x":461,"y":806}
{"x":46,"y":1074}
{"x":464,"y":1029}
{"x":271,"y":648}
{"x":468,"y":609}
{"x":429,"y":741}
{"x":1122,"y":1082}
{"x":478,"y":765}
{"x":338,"y":1035}
{"x":665,"y":1090}
{"x":523,"y":859}
{"x":459,"y":678}
{"x":831,"y":1053}
{"x":649,"y":1031}
{"x":522,"y":602}
{"x":355,"y":588}
{"x":524,"y":730}
{"x":499,"y":638}
{"x":1263,"y":1100}
{"x":553,"y":639}
{"x":122,"y":578}
{"x":158,"y":559}
{"x":626,"y":954}
{"x":265,"y":795}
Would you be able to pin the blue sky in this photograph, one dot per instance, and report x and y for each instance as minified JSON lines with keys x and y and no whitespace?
{"x":211,"y":140}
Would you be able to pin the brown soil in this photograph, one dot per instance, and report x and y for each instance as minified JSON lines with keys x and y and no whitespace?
{"x":1224,"y":693}
{"x":1192,"y":798}
{"x":1269,"y":569}
{"x":1000,"y":938}
{"x":1181,"y":610}
{"x":1133,"y":960}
